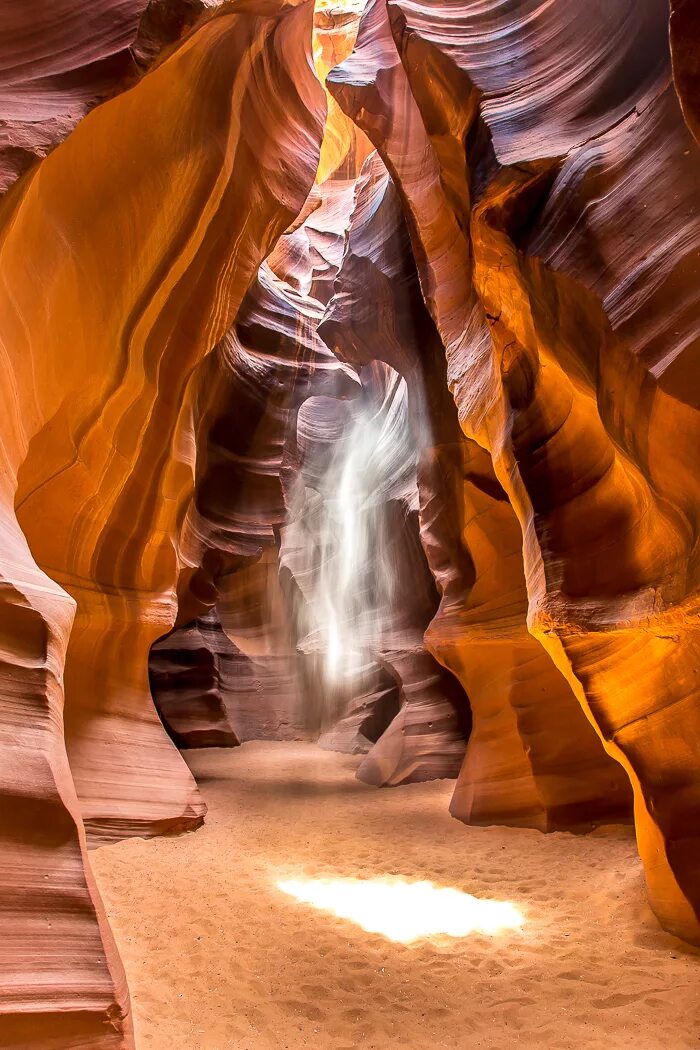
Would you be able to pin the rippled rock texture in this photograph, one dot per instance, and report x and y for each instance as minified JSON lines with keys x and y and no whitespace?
{"x":221,"y":310}
{"x":517,"y":771}
{"x":274,"y":411}
{"x":551,"y":187}
{"x":57,"y":62}
{"x":142,"y":261}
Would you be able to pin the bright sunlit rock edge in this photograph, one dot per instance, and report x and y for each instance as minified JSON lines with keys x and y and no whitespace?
{"x":405,"y":911}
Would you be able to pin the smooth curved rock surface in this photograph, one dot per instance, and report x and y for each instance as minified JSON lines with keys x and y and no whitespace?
{"x":56,"y":62}
{"x":59,"y":60}
{"x":517,"y":279}
{"x":95,"y":417}
{"x":246,"y":398}
{"x":344,"y":145}
{"x":591,"y":365}
{"x":121,"y":574}
{"x":367,"y":716}
{"x":187,"y":675}
{"x":353,"y":550}
{"x":533,"y":758}
{"x":552,"y":74}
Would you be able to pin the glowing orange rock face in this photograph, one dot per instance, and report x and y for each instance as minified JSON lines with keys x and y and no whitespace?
{"x":344,"y":145}
{"x":571,"y":348}
{"x":152,"y":218}
{"x":517,"y":771}
{"x":54,"y":68}
{"x":531,"y":271}
{"x":57,"y":63}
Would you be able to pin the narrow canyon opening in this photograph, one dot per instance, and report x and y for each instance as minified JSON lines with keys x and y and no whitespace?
{"x":349,"y":499}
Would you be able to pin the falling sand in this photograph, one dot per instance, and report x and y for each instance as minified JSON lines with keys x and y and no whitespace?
{"x":223,"y":949}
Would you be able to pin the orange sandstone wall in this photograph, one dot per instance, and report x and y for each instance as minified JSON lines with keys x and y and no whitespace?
{"x":532,"y":758}
{"x":124,"y":258}
{"x":550,"y":183}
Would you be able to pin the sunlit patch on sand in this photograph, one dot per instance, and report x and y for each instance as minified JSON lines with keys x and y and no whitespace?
{"x":405,"y":911}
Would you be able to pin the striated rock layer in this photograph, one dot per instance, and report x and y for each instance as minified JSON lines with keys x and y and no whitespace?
{"x":188,"y":677}
{"x":246,"y":399}
{"x":514,"y":278}
{"x":256,"y":474}
{"x":139,"y":269}
{"x":519,"y":769}
{"x":57,"y":62}
{"x":564,"y":289}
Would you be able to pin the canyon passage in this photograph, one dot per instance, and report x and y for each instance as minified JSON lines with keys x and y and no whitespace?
{"x":349,"y":504}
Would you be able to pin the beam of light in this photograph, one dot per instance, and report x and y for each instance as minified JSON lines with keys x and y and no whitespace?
{"x":405,"y":911}
{"x":338,"y":543}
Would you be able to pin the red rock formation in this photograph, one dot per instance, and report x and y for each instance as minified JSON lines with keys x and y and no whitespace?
{"x":426,"y":739}
{"x":344,"y":145}
{"x":585,"y":270}
{"x":544,"y":165}
{"x":187,"y":674}
{"x":352,"y":548}
{"x":139,"y":270}
{"x":57,"y":63}
{"x":245,"y":404}
{"x":607,"y":517}
{"x":308,"y":256}
{"x":164,"y":22}
{"x":517,"y":770}
{"x":268,"y":365}
{"x":550,"y":77}
{"x":366,"y":717}
{"x":264,"y":695}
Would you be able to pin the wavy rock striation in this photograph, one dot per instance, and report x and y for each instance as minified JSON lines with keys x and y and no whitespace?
{"x":95,"y":412}
{"x":188,"y":673}
{"x":245,"y":404}
{"x":518,"y":770}
{"x":254,"y":475}
{"x":582,"y":259}
{"x":509,"y":286}
{"x":57,"y":62}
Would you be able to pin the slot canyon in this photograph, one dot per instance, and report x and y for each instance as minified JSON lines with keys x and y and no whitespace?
{"x":350,"y":524}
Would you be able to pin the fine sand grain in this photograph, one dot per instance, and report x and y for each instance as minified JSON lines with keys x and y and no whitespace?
{"x":218,"y":957}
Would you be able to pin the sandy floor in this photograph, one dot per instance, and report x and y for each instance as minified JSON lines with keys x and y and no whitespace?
{"x":218,"y":957}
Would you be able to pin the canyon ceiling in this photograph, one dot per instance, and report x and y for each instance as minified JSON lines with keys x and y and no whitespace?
{"x":468,"y":267}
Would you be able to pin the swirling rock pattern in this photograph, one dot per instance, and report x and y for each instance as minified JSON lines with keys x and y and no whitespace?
{"x":416,"y":734}
{"x":246,"y":399}
{"x":517,"y":770}
{"x":344,"y":145}
{"x":246,"y":408}
{"x":525,"y":259}
{"x":55,"y":65}
{"x":95,"y":417}
{"x":58,"y":61}
{"x":581,"y":258}
{"x":550,"y":76}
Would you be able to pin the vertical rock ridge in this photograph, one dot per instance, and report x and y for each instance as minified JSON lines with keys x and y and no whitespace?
{"x":94,"y":405}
